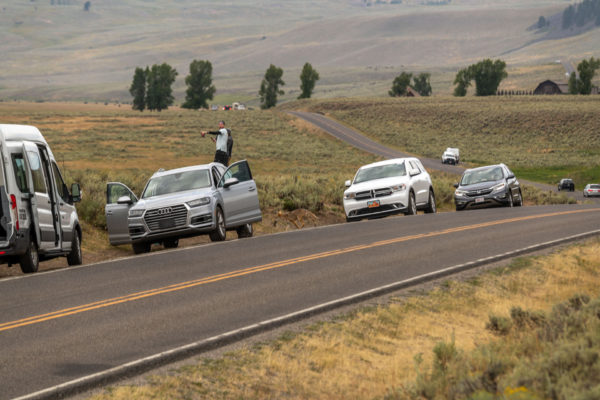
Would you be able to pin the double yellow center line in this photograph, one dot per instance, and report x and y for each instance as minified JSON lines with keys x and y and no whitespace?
{"x":265,"y":267}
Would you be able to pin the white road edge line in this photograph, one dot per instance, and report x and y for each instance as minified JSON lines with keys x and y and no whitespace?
{"x":113,"y":374}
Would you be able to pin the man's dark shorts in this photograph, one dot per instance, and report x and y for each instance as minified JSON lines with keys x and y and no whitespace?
{"x":221,"y":157}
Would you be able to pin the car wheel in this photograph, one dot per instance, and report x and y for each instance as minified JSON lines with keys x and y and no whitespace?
{"x":412,"y":207}
{"x":75,"y":257}
{"x":171,"y":243}
{"x":245,"y":231}
{"x":510,"y":200}
{"x":219,"y":234}
{"x":140,"y":248}
{"x":520,"y":203}
{"x":431,"y":209}
{"x":30,"y":261}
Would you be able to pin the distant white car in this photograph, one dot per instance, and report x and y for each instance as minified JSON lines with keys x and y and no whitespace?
{"x":451,"y":156}
{"x":400,"y":185}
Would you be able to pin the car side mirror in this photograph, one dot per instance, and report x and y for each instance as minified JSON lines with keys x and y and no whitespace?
{"x":124,"y":200}
{"x":230,"y":182}
{"x":75,"y":193}
{"x":455,"y":186}
{"x":347,"y":183}
{"x":511,"y":176}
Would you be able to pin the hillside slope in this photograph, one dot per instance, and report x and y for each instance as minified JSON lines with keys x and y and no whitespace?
{"x":61,"y":52}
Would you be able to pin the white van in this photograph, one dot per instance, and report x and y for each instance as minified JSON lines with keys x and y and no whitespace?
{"x":38,"y":219}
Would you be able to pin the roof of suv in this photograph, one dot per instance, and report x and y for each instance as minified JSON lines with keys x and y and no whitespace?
{"x":219,"y":166}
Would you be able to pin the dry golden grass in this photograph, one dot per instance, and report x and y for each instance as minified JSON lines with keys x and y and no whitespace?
{"x":372,"y":351}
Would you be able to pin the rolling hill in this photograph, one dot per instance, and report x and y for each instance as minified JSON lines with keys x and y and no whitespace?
{"x":55,"y":50}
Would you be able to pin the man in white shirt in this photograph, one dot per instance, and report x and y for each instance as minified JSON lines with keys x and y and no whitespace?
{"x":222,"y":135}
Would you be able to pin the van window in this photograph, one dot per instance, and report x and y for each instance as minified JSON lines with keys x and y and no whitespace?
{"x":20,"y":172}
{"x":39,"y":183}
{"x":60,"y":184}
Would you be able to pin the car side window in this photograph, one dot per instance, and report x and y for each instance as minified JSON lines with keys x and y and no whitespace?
{"x":60,"y":184}
{"x":216,"y":176}
{"x":37,"y":173}
{"x":241,"y":171}
{"x":414,"y":166}
{"x":20,"y":172}
{"x":114,"y":191}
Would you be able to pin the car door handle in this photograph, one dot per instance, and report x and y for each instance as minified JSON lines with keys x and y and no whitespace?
{"x":251,"y":189}
{"x":109,"y":213}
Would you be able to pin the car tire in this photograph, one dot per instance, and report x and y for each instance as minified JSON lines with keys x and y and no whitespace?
{"x":220,"y":233}
{"x":511,"y":202}
{"x":520,"y":199}
{"x":171,"y":243}
{"x":245,"y":231}
{"x":30,"y":261}
{"x":431,"y":208}
{"x":412,"y":207}
{"x":75,"y":257}
{"x":141,"y":248}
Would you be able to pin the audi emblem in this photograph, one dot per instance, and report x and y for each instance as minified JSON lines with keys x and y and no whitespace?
{"x":162,"y":211}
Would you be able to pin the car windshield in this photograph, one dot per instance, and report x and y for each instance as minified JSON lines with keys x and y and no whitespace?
{"x":178,"y":182}
{"x":481,"y":175}
{"x":380,"y":172}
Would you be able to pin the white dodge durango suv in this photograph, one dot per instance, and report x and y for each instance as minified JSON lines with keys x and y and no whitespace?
{"x":400,"y":185}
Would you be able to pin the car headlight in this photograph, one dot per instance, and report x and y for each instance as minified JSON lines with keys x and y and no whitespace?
{"x":136,"y":213}
{"x":199,"y":202}
{"x":398,"y":188}
{"x":498,"y":187}
{"x":460,"y":193}
{"x":350,"y":195}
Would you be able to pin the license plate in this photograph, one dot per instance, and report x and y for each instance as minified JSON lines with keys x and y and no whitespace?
{"x":166,"y":223}
{"x":479,"y":200}
{"x":373,"y":204}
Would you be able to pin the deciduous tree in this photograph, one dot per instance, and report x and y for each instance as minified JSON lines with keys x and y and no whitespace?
{"x":308,"y":78}
{"x":269,"y":87}
{"x":587,"y":70}
{"x":159,"y":94}
{"x":487,"y":75}
{"x":421,"y":84}
{"x":400,"y":84}
{"x":199,"y":85}
{"x":138,"y":89}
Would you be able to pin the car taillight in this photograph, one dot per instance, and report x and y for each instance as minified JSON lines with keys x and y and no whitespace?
{"x":13,"y":207}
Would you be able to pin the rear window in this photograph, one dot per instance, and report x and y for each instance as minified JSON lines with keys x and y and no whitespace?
{"x":20,"y":174}
{"x":594,"y":186}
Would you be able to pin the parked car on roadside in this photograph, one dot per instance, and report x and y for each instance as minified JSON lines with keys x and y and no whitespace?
{"x":591,"y":190}
{"x":203,"y":199}
{"x":400,"y":185}
{"x":451,"y":156}
{"x":566,"y":184}
{"x":492,"y":185}
{"x":38,"y":216}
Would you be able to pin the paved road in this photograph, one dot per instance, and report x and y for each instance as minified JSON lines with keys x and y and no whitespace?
{"x":358,"y":140}
{"x":61,"y":327}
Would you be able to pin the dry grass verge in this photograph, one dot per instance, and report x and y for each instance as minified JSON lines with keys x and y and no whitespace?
{"x":385,"y":351}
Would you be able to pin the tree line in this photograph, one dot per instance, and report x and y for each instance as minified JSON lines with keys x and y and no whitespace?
{"x":581,"y":13}
{"x":151,"y":87}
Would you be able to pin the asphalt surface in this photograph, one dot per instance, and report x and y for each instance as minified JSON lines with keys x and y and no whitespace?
{"x":358,"y":140}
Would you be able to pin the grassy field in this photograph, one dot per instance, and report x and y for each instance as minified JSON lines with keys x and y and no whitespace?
{"x":542,"y":138}
{"x":523,"y":331}
{"x":299,"y":170}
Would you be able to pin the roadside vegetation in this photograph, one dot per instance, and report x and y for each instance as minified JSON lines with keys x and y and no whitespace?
{"x":526,"y":330}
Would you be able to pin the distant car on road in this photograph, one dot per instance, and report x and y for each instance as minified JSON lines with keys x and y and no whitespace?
{"x":566,"y":184}
{"x":487,"y":186}
{"x":400,"y":185}
{"x":451,"y":156}
{"x":183,"y":202}
{"x":591,"y":189}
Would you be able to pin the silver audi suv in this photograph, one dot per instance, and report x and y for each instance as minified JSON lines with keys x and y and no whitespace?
{"x":400,"y":185}
{"x":202,"y":199}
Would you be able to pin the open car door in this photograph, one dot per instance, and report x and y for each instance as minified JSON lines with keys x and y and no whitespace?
{"x":119,"y":199}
